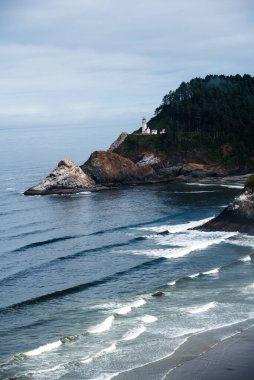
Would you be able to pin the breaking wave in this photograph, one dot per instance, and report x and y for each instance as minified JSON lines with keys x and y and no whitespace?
{"x":134,"y":333}
{"x":202,"y":308}
{"x":101,"y":327}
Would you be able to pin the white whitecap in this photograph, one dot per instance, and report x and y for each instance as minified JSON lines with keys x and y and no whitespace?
{"x":138,"y":303}
{"x":96,"y":356}
{"x":178,"y":227}
{"x":233,"y":186}
{"x":134,"y":333}
{"x":202,"y":308}
{"x":194,"y":275}
{"x":46,"y":348}
{"x":123,"y":310}
{"x":212,"y":271}
{"x":101,"y":327}
{"x":53,"y":369}
{"x":244,"y":259}
{"x":148,"y":319}
{"x":171,"y":283}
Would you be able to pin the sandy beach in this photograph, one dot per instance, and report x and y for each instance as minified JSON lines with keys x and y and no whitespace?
{"x":231,"y":359}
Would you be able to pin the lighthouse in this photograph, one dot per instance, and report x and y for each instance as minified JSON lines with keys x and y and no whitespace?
{"x":145,"y":128}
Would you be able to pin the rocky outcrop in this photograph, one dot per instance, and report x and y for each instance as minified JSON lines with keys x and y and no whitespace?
{"x":148,"y":159}
{"x":66,"y":178}
{"x":238,"y":216}
{"x":109,"y":168}
{"x":118,"y":142}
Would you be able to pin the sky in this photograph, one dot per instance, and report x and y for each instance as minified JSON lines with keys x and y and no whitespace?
{"x":84,"y":62}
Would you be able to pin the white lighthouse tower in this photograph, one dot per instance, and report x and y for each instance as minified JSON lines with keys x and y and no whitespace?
{"x":145,"y":128}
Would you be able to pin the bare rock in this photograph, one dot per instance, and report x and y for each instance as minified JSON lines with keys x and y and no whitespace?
{"x":118,"y":142}
{"x":66,"y":178}
{"x":158,"y":294}
{"x":148,"y":159}
{"x":238,"y":216}
{"x":110,"y":168}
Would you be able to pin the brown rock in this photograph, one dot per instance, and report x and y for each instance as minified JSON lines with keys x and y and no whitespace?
{"x":111,"y":168}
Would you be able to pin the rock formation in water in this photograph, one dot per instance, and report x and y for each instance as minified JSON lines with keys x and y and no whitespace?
{"x":238,"y":216}
{"x":109,"y":168}
{"x":101,"y":170}
{"x":66,"y":178}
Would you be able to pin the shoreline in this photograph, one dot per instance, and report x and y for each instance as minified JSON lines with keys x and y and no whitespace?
{"x":205,"y":355}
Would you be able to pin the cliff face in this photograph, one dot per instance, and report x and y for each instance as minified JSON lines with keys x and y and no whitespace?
{"x":67,"y":177}
{"x":238,"y":216}
{"x":111,"y":168}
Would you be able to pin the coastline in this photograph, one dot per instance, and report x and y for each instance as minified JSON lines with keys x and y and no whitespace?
{"x":204,"y":356}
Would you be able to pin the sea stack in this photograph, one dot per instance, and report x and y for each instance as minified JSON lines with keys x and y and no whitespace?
{"x":238,"y":216}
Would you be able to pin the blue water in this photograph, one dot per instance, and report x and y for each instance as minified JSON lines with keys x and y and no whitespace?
{"x":78,"y":272}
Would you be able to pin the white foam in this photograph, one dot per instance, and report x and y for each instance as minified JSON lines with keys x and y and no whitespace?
{"x":233,"y":186}
{"x":194,"y":275}
{"x":212,"y":271}
{"x":123,"y":310}
{"x":106,"y":376}
{"x":101,"y":327}
{"x":148,"y":319}
{"x":171,"y":283}
{"x":103,"y":352}
{"x":201,"y":309}
{"x":53,"y":369}
{"x":178,"y":227}
{"x":134,"y":333}
{"x":46,"y":348}
{"x":244,"y":259}
{"x":138,"y":303}
{"x":191,"y":245}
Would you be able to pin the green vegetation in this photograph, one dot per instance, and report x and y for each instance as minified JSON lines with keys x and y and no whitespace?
{"x":214,"y":115}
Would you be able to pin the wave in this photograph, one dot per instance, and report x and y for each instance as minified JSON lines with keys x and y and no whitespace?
{"x":138,"y":303}
{"x":148,"y":319}
{"x":82,"y":287}
{"x":212,"y":271}
{"x":233,"y":186}
{"x":246,"y":258}
{"x":171,"y":283}
{"x":137,"y":225}
{"x":178,"y":227}
{"x":173,"y":253}
{"x":44,"y":242}
{"x":123,"y":310}
{"x":127,"y":308}
{"x":202,"y":308}
{"x":195,"y":275}
{"x":42,"y":349}
{"x":103,"y":352}
{"x":41,"y":371}
{"x":197,"y":192}
{"x":101,"y":327}
{"x":134,"y":333}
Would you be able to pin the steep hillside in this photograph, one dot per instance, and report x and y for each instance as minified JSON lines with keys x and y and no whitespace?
{"x":208,"y":120}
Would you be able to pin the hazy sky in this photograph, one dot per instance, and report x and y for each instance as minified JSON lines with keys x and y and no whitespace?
{"x":87,"y":61}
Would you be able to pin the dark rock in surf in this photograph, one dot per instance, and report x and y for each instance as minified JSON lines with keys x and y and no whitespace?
{"x":238,"y":216}
{"x":158,"y":294}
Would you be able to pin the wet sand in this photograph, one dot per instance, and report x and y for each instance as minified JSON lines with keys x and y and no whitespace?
{"x":231,"y":359}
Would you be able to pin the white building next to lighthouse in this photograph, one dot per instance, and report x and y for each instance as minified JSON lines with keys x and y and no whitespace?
{"x":145,"y":128}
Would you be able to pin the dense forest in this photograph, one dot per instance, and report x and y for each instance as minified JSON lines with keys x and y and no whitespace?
{"x":214,"y":115}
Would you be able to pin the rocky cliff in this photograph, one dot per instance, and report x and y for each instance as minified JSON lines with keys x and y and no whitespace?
{"x":101,"y":170}
{"x":111,"y":168}
{"x":238,"y":216}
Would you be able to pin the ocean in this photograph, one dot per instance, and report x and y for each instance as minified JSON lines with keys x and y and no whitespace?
{"x":78,"y":272}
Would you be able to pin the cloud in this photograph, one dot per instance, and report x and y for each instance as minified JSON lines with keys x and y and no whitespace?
{"x":92,"y":60}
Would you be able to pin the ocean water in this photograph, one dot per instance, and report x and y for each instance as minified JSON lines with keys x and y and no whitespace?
{"x":78,"y":272}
